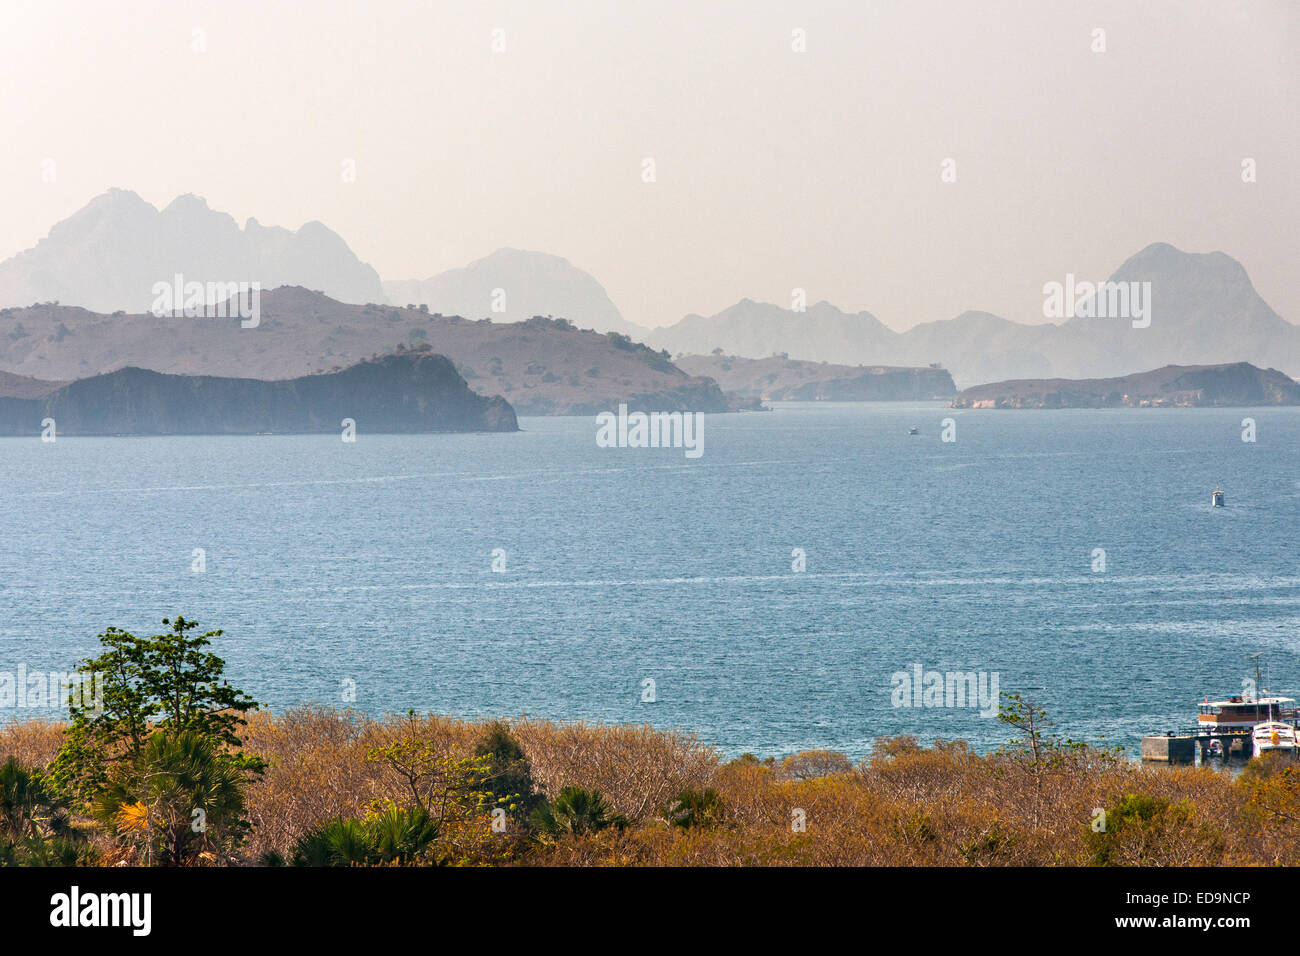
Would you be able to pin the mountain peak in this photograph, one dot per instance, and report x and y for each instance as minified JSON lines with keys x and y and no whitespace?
{"x":1161,"y":257}
{"x":513,"y":285}
{"x":187,"y":202}
{"x":116,"y":196}
{"x":510,"y":254}
{"x":110,"y":203}
{"x":108,"y":255}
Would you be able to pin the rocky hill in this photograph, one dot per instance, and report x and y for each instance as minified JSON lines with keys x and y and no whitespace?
{"x":541,"y":366}
{"x":409,"y":392}
{"x":1194,"y":386}
{"x":20,"y":386}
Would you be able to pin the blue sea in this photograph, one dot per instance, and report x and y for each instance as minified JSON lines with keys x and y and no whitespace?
{"x":333,"y":566}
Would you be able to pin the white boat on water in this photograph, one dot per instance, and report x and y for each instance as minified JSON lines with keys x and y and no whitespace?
{"x":1273,"y":735}
{"x":1270,"y":721}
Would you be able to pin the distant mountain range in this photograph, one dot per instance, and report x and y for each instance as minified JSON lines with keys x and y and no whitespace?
{"x":1235,"y":385}
{"x":542,"y":366}
{"x":1204,"y":310}
{"x":409,"y":392}
{"x":790,"y":380}
{"x":108,"y":257}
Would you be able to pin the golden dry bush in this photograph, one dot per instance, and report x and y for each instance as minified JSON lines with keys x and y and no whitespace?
{"x":906,"y":805}
{"x":906,"y":771}
{"x":33,"y":742}
{"x":317,"y":770}
{"x":893,"y":746}
{"x":745,"y":788}
{"x":1269,"y":825}
{"x":639,"y":769}
{"x":446,"y":735}
{"x":810,"y":764}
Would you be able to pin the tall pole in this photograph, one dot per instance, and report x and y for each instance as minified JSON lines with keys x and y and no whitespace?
{"x":1258,"y":689}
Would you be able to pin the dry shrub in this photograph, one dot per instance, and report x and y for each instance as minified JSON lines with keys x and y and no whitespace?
{"x":33,"y":742}
{"x":1269,"y":828}
{"x":446,"y":735}
{"x":905,"y":806}
{"x":639,"y":769}
{"x":317,"y":770}
{"x":941,"y":807}
{"x":811,"y":764}
{"x":744,"y":787}
{"x":319,"y":767}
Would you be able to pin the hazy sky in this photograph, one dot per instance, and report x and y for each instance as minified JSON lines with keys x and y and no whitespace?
{"x":775,"y":169}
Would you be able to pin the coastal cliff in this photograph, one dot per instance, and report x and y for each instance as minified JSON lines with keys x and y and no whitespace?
{"x":402,"y":392}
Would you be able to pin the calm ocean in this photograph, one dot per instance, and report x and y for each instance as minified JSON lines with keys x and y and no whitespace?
{"x":329,"y":563}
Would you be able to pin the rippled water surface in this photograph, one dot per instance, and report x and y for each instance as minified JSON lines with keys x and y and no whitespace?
{"x":372,"y":562}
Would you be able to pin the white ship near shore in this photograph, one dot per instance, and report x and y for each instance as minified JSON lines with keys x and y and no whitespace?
{"x":1274,"y":736}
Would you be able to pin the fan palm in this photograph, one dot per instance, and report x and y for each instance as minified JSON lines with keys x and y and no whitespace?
{"x":576,"y":810}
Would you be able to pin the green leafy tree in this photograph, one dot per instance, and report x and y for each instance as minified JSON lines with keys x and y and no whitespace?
{"x":168,"y":682}
{"x":441,"y":784}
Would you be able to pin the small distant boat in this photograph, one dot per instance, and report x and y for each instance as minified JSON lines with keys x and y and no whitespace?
{"x":1216,"y":498}
{"x":913,"y":430}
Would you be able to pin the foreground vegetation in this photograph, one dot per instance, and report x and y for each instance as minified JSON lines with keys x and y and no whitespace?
{"x":178,"y":768}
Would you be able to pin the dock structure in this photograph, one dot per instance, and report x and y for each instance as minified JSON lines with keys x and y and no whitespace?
{"x":1169,"y":749}
{"x":1179,"y":746}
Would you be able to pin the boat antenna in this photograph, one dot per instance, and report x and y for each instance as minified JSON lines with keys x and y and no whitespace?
{"x":1271,"y":715}
{"x":1255,"y":657}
